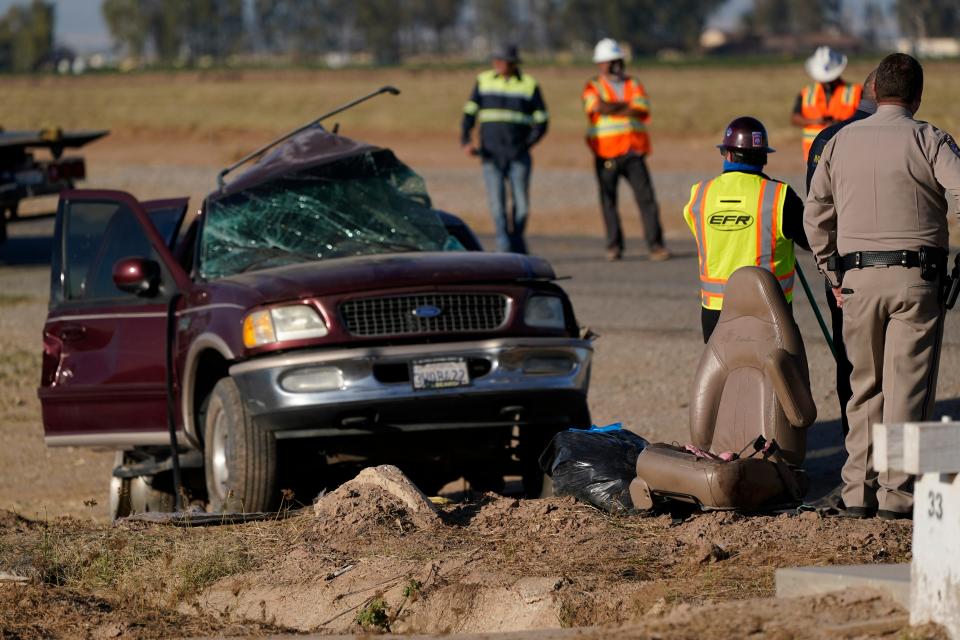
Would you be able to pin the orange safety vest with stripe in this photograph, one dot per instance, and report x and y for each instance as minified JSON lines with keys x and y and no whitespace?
{"x":612,"y":136}
{"x":737,"y":220}
{"x":813,"y":105}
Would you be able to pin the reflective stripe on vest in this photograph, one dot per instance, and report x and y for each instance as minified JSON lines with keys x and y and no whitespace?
{"x":848,"y":94}
{"x":611,"y":136}
{"x":504,"y":115}
{"x":615,"y":129}
{"x":736,"y":220}
{"x":814,"y":106}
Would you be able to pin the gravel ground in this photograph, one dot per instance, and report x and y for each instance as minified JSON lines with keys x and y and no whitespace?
{"x":646,"y":314}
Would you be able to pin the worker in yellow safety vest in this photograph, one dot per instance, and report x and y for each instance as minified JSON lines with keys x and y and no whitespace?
{"x":618,"y":111}
{"x":828,"y":99}
{"x":743,"y":218}
{"x":513,"y":117}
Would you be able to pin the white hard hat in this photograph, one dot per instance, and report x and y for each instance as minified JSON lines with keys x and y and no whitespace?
{"x":607,"y":50}
{"x":826,"y":65}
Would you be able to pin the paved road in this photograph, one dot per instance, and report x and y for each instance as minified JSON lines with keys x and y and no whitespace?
{"x":647,"y":316}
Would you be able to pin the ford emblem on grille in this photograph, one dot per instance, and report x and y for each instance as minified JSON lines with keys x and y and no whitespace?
{"x":427,"y":311}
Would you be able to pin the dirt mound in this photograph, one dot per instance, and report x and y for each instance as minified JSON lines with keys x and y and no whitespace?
{"x":499,"y":515}
{"x":502,"y":564}
{"x":494,"y":565}
{"x":764,"y":539}
{"x":377,"y":498}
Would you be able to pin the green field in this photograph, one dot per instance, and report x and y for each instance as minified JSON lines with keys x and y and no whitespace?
{"x":688,"y":101}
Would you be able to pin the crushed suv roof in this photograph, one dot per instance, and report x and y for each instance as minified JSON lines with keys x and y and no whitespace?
{"x":319,"y":196}
{"x":310,"y":148}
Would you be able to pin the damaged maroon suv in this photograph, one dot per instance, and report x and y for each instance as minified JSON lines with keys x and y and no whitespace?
{"x":315,"y":311}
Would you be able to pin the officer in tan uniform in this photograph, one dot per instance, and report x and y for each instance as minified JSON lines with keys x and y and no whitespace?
{"x":876,"y":219}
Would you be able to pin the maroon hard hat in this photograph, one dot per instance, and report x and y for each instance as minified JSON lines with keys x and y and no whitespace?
{"x":745,"y":134}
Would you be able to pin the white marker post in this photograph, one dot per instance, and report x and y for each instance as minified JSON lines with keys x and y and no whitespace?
{"x":931,"y":452}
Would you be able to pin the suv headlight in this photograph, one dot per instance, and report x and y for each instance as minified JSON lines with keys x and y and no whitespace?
{"x":294,"y":322}
{"x":545,"y":312}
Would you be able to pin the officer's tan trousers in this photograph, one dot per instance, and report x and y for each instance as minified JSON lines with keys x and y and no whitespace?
{"x":892,"y":326}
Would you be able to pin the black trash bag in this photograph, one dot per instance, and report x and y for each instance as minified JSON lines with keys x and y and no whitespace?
{"x":595,"y":465}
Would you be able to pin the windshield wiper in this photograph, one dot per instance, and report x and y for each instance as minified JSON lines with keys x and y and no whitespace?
{"x":277,"y":253}
{"x":397,"y":245}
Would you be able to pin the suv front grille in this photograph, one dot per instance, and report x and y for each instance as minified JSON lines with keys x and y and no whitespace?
{"x":425,"y":313}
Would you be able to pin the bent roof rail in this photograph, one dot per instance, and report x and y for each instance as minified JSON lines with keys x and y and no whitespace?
{"x":220,"y":177}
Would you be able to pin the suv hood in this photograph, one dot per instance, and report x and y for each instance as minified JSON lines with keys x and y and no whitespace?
{"x":387,"y":271}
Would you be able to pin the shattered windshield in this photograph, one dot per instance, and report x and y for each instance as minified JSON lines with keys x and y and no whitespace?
{"x":365,"y":204}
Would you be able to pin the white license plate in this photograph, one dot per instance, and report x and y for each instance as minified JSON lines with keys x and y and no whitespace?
{"x":440,"y":374}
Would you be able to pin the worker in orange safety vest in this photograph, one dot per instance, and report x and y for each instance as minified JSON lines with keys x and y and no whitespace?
{"x":618,"y":110}
{"x":828,"y":99}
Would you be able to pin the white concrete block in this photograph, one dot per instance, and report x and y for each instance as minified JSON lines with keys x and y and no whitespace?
{"x":930,"y":451}
{"x":891,"y":579}
{"x":931,"y":447}
{"x":887,"y":447}
{"x":935,"y":570}
{"x":917,"y":447}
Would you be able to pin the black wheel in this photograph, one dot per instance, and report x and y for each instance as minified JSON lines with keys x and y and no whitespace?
{"x":119,"y":492}
{"x":240,"y":460}
{"x":533,"y":440}
{"x":143,"y":494}
{"x":537,"y":484}
{"x":484,"y":480}
{"x":428,"y":481}
{"x":146,"y":497}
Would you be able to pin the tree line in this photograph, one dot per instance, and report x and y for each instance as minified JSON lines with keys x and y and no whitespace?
{"x":393,"y":30}
{"x":26,"y":36}
{"x":390,"y":31}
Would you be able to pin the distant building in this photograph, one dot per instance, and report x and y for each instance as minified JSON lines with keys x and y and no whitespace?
{"x":930,"y":47}
{"x":717,"y":42}
{"x":713,"y":39}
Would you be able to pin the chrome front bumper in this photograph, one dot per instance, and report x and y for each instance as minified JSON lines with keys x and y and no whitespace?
{"x":524,"y":373}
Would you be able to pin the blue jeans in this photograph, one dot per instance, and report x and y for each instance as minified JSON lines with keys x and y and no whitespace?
{"x":510,"y":227}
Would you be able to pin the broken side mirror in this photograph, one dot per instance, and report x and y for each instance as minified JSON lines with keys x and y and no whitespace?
{"x":138,"y":276}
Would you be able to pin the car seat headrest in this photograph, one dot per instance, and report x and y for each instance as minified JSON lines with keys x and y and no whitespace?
{"x":752,"y":291}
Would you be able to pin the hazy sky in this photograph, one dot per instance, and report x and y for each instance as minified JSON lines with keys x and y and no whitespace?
{"x":80,"y":26}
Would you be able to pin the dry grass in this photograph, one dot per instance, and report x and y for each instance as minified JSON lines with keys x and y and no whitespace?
{"x":688,"y":100}
{"x":147,"y":567}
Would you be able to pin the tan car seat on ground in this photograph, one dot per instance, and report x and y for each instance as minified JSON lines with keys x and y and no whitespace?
{"x":751,"y":390}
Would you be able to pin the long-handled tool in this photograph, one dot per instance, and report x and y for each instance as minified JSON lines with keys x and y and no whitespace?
{"x":816,"y":310}
{"x":250,"y":156}
{"x":952,"y":284}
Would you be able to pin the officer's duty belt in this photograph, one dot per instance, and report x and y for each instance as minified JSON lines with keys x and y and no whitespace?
{"x":861,"y":259}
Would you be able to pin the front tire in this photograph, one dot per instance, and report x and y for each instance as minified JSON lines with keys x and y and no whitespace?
{"x":240,"y":460}
{"x":533,"y":441}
